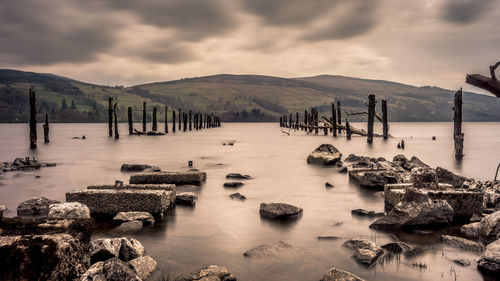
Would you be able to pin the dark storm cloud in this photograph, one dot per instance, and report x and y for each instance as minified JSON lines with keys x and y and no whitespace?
{"x":465,"y":11}
{"x":357,"y":19}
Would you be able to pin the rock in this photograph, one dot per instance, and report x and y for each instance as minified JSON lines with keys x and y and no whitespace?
{"x":400,"y":159}
{"x":138,"y":168}
{"x":365,"y":213}
{"x":364,"y":251}
{"x":143,"y":266}
{"x":36,"y":206}
{"x":2,"y":209}
{"x":68,"y":211}
{"x":277,"y":249}
{"x":233,"y":184}
{"x":238,"y":176}
{"x":446,"y":176}
{"x":104,"y":248}
{"x":106,"y":203}
{"x":490,"y":228}
{"x":343,"y":170}
{"x":416,"y":210}
{"x":356,"y":158}
{"x":328,"y":237}
{"x":229,"y":142}
{"x":325,"y":154}
{"x":144,"y":217}
{"x":110,"y":270}
{"x":335,"y":274}
{"x":490,"y":260}
{"x":280,"y":211}
{"x":476,"y":218}
{"x":373,"y":179}
{"x":328,"y":185}
{"x":461,"y":243}
{"x":423,"y":177}
{"x":470,"y":230}
{"x":130,"y":249}
{"x":177,"y":178}
{"x":42,"y":257}
{"x":186,"y":198}
{"x":238,"y":196}
{"x":210,"y":273}
{"x":462,"y":262}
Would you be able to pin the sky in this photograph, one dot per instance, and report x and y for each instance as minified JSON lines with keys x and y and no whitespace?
{"x":125,"y":42}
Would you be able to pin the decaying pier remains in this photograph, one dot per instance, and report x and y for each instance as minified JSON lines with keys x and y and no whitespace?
{"x":312,"y":122}
{"x":458,"y":136}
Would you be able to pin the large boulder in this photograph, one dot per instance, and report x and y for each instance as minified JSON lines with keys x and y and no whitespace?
{"x":449,"y":177}
{"x":42,"y":257}
{"x":143,"y":266}
{"x":281,"y":211}
{"x":110,"y":270}
{"x":36,"y":206}
{"x":416,"y":210}
{"x":490,"y":228}
{"x":144,"y":217}
{"x":325,"y":154}
{"x":210,"y":273}
{"x":490,"y":260}
{"x":365,"y":251}
{"x":277,"y":249}
{"x":335,"y":274}
{"x":69,"y":211}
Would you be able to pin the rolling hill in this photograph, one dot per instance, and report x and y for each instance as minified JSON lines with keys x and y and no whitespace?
{"x":234,"y":97}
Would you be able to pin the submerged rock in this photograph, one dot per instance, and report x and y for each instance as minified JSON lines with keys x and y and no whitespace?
{"x":237,"y":196}
{"x":238,"y":176}
{"x":364,"y":251}
{"x":365,"y":213}
{"x":490,"y":228}
{"x":144,"y":217}
{"x":138,"y":168}
{"x":461,"y":243}
{"x":233,"y":184}
{"x":373,"y":179}
{"x":68,"y":211}
{"x":335,"y":274}
{"x":416,"y":210}
{"x":186,"y":198}
{"x":490,"y":260}
{"x":279,"y":211}
{"x":325,"y":154}
{"x":277,"y":249}
{"x":36,"y":206}
{"x":210,"y":273}
{"x":462,"y":262}
{"x":470,"y":230}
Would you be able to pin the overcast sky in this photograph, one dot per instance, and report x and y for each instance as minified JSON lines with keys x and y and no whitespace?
{"x":125,"y":42}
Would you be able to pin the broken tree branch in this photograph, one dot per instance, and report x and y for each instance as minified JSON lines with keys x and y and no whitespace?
{"x":491,"y":85}
{"x":362,"y":112}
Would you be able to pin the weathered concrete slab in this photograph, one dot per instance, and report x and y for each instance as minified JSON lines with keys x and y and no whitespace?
{"x":177,"y":178}
{"x":135,"y":186}
{"x":109,"y":202}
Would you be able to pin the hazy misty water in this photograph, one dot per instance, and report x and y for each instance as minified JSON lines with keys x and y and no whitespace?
{"x":218,"y":230}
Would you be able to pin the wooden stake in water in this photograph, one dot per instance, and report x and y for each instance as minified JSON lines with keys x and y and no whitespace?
{"x":184,"y":120}
{"x":33,"y":134}
{"x":173,"y":121}
{"x":371,"y":117}
{"x":155,"y":123}
{"x":457,"y":120}
{"x":316,"y":121}
{"x":385,"y":124}
{"x":130,"y":124}
{"x":334,"y":120}
{"x":117,"y":136}
{"x":190,"y":120}
{"x":46,"y":129}
{"x":339,"y":117}
{"x":180,"y":119}
{"x":110,"y":115}
{"x":144,"y":116}
{"x":166,"y":119}
{"x":348,"y":129}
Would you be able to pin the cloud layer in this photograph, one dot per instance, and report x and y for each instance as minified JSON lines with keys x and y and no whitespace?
{"x":130,"y":41}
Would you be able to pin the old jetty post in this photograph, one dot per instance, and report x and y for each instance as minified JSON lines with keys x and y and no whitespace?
{"x":166,"y":119}
{"x":296,"y":120}
{"x":316,"y":121}
{"x":173,"y":121}
{"x":348,"y":129}
{"x":339,"y":117}
{"x":46,"y":129}
{"x":334,"y":120}
{"x":130,"y":124}
{"x":155,"y":123}
{"x":195,"y":121}
{"x":371,"y":117}
{"x":180,"y":119}
{"x":110,"y":115}
{"x":190,"y":120}
{"x":385,"y":125}
{"x":33,"y":136}
{"x":457,"y":119}
{"x":144,"y":116}
{"x":184,"y":120}
{"x":117,"y":136}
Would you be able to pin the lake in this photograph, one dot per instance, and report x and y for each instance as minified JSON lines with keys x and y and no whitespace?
{"x":218,"y":230}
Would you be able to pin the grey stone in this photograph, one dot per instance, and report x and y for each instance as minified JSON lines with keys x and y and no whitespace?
{"x":186,"y":198}
{"x":335,"y":274}
{"x":461,"y":243}
{"x":138,"y":168}
{"x":130,"y":249}
{"x":279,"y":211}
{"x":36,"y":206}
{"x":237,"y":196}
{"x":238,"y":176}
{"x":143,"y":266}
{"x":365,"y":213}
{"x":277,"y":249}
{"x":490,"y":260}
{"x":104,"y":248}
{"x":112,"y":269}
{"x":356,"y":158}
{"x":449,"y":177}
{"x":470,"y":230}
{"x":144,"y":217}
{"x":210,"y":273}
{"x":462,"y":262}
{"x":325,"y":154}
{"x":490,"y":228}
{"x":177,"y":178}
{"x":68,"y":211}
{"x":365,"y":252}
{"x":233,"y":184}
{"x":373,"y":179}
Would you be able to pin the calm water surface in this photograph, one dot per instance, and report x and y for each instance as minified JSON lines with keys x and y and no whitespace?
{"x":218,"y":230}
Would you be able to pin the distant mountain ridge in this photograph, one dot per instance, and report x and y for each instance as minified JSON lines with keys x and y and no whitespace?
{"x":234,"y":97}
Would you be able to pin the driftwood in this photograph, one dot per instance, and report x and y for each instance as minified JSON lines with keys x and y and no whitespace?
{"x":138,"y":132}
{"x":348,"y":113}
{"x":491,"y":85}
{"x":353,"y":130}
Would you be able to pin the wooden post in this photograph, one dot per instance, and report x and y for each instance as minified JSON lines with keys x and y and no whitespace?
{"x":385,"y":128}
{"x":173,"y":121}
{"x":296,"y":120}
{"x":316,"y":121}
{"x":117,"y":136}
{"x":305,"y":120}
{"x":371,"y":117}
{"x":166,"y":119}
{"x":33,"y":134}
{"x":155,"y":123}
{"x":339,"y":117}
{"x":190,"y":120}
{"x":46,"y":129}
{"x":334,"y":120}
{"x":457,"y":119}
{"x":130,"y":124}
{"x":144,"y":116}
{"x":200,"y":125}
{"x":184,"y":120}
{"x":348,"y":129}
{"x":180,"y":119}
{"x":110,"y":115}
{"x":281,"y":121}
